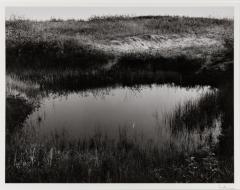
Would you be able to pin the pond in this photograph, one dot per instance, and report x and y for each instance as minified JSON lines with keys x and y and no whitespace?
{"x":143,"y":111}
{"x":110,"y":108}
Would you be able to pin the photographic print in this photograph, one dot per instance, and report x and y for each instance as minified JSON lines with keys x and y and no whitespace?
{"x":119,"y":94}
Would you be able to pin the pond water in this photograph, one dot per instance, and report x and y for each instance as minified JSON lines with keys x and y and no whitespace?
{"x":142,"y":110}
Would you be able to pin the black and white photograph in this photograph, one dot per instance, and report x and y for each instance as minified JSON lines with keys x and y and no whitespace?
{"x":119,"y":94}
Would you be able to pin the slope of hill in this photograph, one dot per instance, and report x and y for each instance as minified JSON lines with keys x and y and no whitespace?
{"x":91,"y":43}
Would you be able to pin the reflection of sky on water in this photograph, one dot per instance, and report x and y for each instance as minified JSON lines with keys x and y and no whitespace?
{"x":142,"y":110}
{"x":110,"y":108}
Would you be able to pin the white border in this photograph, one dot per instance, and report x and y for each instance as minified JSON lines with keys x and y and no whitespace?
{"x":237,"y":95}
{"x":124,"y":3}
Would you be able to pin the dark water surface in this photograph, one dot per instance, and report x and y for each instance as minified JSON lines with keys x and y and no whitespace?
{"x":109,"y":108}
{"x":143,"y":110}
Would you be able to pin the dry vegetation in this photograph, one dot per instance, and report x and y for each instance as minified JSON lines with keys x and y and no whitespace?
{"x":100,"y":39}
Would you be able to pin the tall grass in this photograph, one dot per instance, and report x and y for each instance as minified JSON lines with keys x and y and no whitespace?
{"x":197,"y":116}
{"x":100,"y":159}
{"x":48,"y":50}
{"x":17,"y":109}
{"x":120,"y":26}
{"x":43,"y":81}
{"x":214,"y":108}
{"x":73,"y":42}
{"x":143,"y":61}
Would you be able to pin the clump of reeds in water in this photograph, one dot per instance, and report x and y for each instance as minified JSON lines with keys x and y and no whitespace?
{"x":198,"y":114}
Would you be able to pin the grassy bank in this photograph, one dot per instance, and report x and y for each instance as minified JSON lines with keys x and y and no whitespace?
{"x":34,"y":82}
{"x":164,"y":41}
{"x":17,"y":108}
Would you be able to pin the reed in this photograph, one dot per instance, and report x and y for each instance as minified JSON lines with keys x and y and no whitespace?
{"x":101,"y":159}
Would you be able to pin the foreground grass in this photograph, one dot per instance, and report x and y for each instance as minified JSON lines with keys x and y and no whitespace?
{"x":104,"y":160}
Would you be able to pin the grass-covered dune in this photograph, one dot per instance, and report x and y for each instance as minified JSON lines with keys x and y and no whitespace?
{"x":106,"y":41}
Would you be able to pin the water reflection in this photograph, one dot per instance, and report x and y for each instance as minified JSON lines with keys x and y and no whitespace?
{"x":146,"y":112}
{"x":110,"y":108}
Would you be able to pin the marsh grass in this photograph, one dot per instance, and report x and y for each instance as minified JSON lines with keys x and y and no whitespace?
{"x":143,"y":61}
{"x":17,"y":108}
{"x":48,"y":51}
{"x":72,"y":43}
{"x":63,"y":80}
{"x":214,"y":108}
{"x":196,"y":116}
{"x":73,"y":80}
{"x":120,"y":26}
{"x":20,"y":87}
{"x":100,"y":159}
